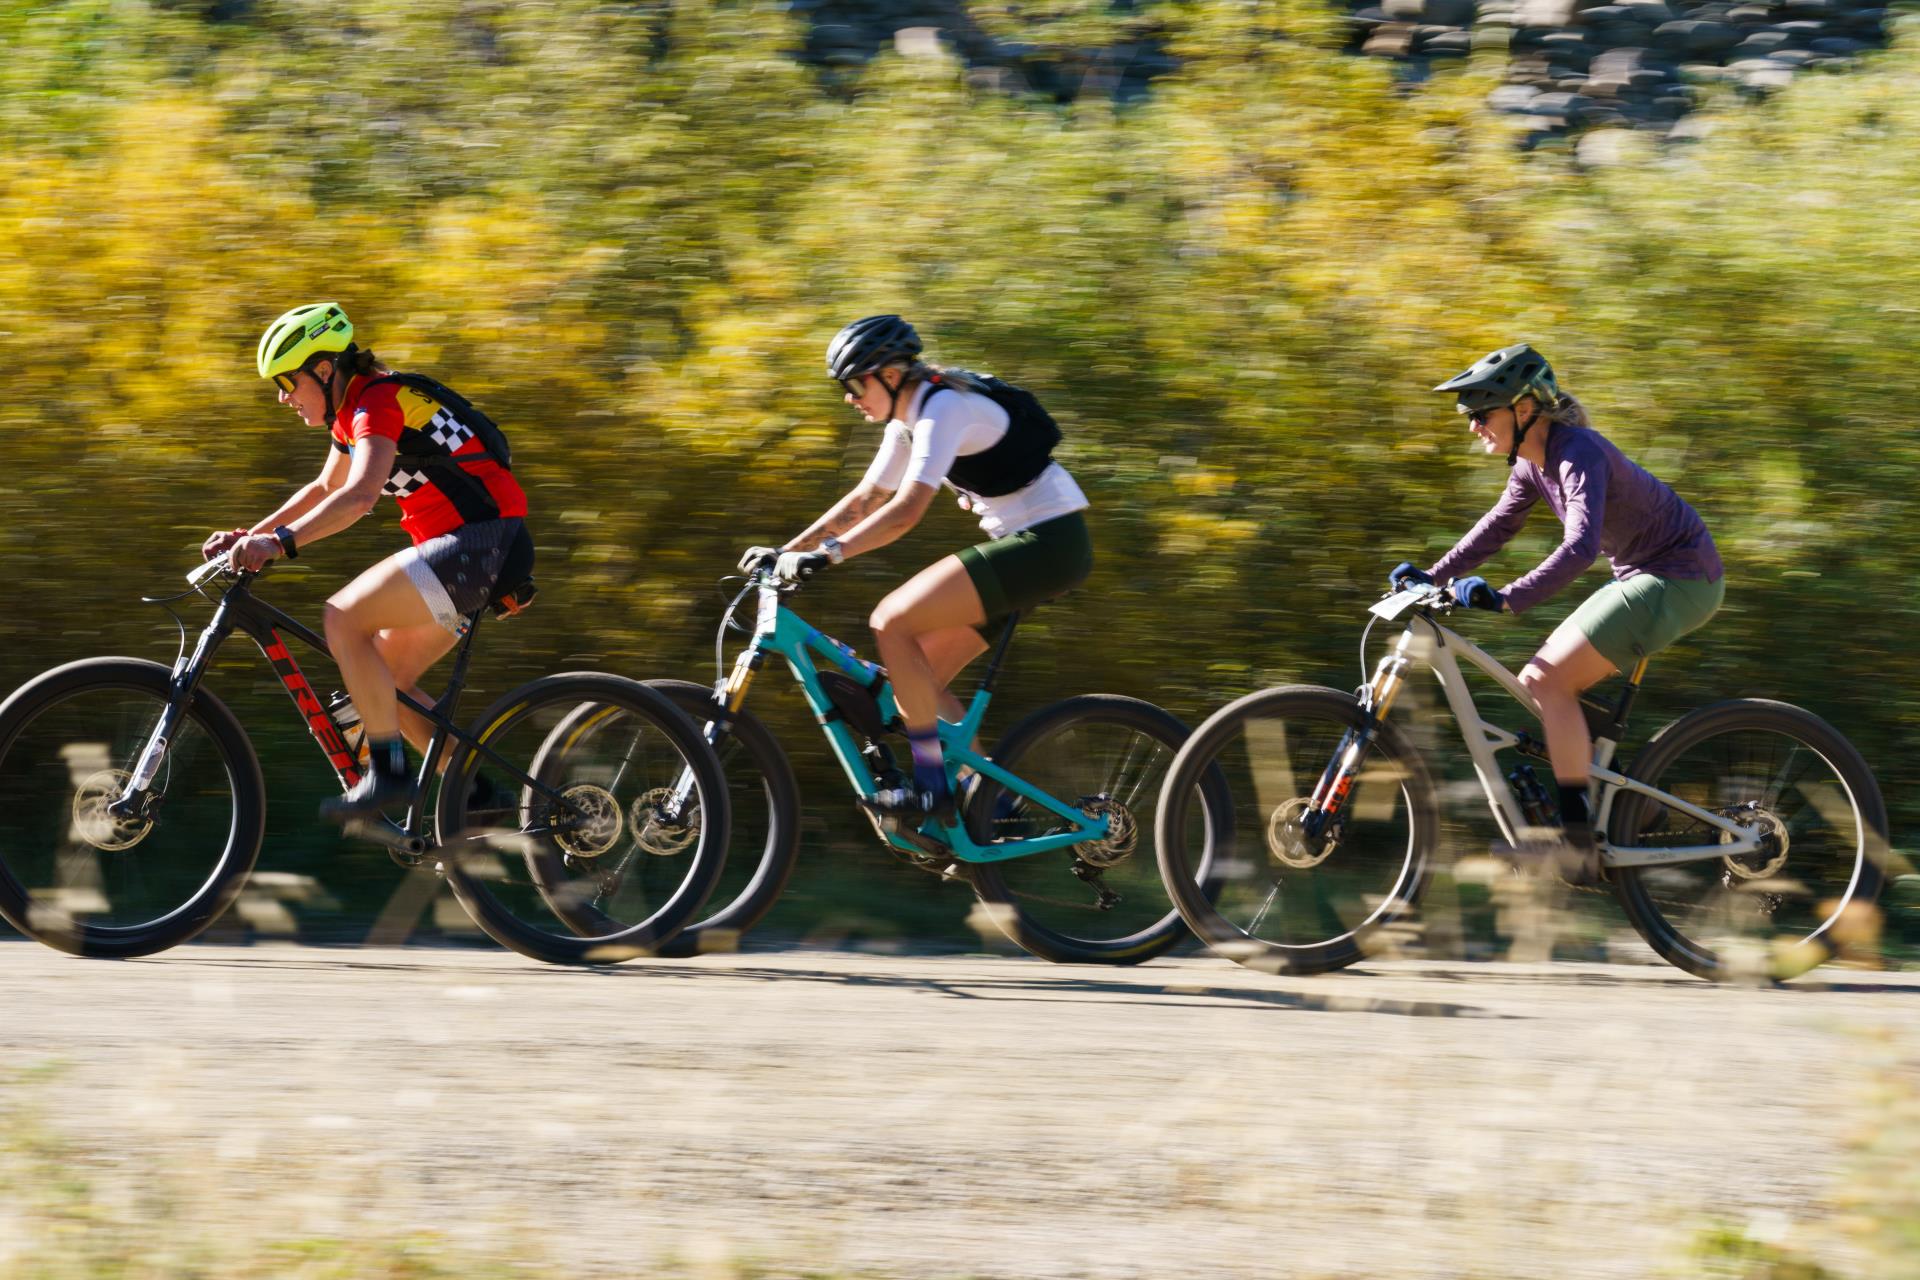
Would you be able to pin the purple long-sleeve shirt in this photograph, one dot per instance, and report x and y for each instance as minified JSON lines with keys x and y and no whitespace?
{"x":1609,"y":506}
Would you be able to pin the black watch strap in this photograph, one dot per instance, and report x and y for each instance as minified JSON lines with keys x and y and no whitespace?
{"x":286,"y":541}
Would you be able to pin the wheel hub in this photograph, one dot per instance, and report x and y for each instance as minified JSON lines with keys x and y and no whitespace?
{"x":1288,"y":842}
{"x":95,"y":826}
{"x":599,"y":823}
{"x":1123,"y":833}
{"x":655,"y":832}
{"x":1765,"y":862}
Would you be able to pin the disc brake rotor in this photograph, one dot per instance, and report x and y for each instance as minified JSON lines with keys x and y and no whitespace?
{"x":1765,"y":862}
{"x":94,"y":826}
{"x":1289,"y":845}
{"x":655,"y":832}
{"x":1123,"y":833}
{"x":598,"y":826}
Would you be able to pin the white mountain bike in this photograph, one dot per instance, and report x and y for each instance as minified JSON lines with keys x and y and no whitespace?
{"x":1746,"y":838}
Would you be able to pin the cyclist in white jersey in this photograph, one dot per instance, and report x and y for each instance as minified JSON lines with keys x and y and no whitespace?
{"x":993,"y":444}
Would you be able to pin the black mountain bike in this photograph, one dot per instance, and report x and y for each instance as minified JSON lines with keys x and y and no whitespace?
{"x":132,"y":804}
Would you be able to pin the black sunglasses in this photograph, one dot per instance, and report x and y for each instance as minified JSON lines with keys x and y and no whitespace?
{"x":285,"y":382}
{"x":856,"y":386}
{"x":1479,"y":416}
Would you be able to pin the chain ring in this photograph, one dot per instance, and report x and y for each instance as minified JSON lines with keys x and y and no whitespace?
{"x":1286,"y":843}
{"x":661,"y":839}
{"x":1122,"y":838}
{"x":1775,"y":845}
{"x":97,"y":828}
{"x":600,"y":825}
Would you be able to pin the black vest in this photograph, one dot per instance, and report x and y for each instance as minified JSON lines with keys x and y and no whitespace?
{"x":1017,"y":458}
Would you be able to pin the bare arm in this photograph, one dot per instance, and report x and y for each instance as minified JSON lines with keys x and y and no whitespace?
{"x":894,"y":517}
{"x":332,"y":475}
{"x":842,"y":516}
{"x":352,"y":497}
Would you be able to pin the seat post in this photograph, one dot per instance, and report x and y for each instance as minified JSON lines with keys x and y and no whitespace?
{"x":1000,"y":651}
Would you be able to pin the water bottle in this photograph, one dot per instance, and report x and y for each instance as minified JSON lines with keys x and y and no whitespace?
{"x":347,"y":717}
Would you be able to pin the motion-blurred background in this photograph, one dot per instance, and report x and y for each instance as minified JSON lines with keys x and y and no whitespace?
{"x":1230,"y":245}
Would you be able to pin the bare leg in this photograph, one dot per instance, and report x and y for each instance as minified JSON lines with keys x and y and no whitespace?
{"x":939,"y":598}
{"x":408,"y":653}
{"x":1565,"y":665}
{"x":381,"y":599}
{"x":948,"y":652}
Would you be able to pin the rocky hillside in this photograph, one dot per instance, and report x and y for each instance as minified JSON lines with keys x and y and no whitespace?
{"x":1571,"y":65}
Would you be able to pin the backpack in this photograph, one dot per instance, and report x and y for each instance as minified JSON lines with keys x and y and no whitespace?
{"x":485,"y":429}
{"x":1018,"y":457}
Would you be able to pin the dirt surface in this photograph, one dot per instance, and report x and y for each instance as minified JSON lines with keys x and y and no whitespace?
{"x":957,"y":1116}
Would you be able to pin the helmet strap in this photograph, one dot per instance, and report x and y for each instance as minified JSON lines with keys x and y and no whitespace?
{"x":1520,"y":430}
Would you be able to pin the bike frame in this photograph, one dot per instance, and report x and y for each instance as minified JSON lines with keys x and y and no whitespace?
{"x":781,"y":632}
{"x":1425,"y":640}
{"x":239,"y":610}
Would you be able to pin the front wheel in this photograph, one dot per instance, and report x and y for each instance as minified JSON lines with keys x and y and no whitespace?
{"x":1777,"y":912}
{"x":1093,"y":903}
{"x":82,"y":879}
{"x":1277,"y":895}
{"x":591,"y":828}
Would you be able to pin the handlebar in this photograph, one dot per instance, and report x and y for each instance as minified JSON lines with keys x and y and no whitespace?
{"x":220,"y":564}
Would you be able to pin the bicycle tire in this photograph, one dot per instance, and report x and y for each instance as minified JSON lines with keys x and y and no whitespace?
{"x":1773,"y":885}
{"x":749,"y":755}
{"x":36,"y":916}
{"x":1001,"y":886}
{"x":530,"y":915}
{"x":1355,"y":914}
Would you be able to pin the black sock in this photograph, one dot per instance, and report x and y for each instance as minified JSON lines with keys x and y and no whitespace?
{"x":389,"y":757}
{"x":1573,"y":803}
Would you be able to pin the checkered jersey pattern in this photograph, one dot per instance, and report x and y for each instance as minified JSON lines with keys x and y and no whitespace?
{"x":442,"y":476}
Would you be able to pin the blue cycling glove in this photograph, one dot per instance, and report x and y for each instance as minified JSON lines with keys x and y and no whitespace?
{"x":1477,"y":593}
{"x":1405,"y":574}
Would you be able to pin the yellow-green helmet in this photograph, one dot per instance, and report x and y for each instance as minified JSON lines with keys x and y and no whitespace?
{"x":319,"y":328}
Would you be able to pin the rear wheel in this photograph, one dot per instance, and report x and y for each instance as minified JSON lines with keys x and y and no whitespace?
{"x":1092,"y":903}
{"x":1272,"y":896}
{"x":76,"y":876}
{"x":615,"y":849}
{"x":1777,"y":912}
{"x":763,"y":798}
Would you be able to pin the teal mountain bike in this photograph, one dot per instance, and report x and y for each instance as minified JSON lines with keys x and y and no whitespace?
{"x":1055,"y":828}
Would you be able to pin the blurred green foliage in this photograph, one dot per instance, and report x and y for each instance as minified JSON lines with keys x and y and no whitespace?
{"x":628,"y":231}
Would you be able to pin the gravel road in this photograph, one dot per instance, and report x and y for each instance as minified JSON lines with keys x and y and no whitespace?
{"x":945,"y":1116}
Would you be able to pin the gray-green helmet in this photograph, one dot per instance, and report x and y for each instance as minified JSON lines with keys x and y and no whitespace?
{"x":1498,"y":380}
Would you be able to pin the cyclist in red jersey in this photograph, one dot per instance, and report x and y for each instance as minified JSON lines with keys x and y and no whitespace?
{"x":447,"y":466}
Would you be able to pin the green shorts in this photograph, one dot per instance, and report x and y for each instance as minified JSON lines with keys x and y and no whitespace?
{"x":1634,"y":618}
{"x":1030,"y":567}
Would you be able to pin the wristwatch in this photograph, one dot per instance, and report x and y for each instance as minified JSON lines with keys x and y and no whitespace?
{"x":831,"y":545}
{"x":285,"y":535}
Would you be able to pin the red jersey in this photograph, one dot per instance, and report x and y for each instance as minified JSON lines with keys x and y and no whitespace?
{"x":443,"y":477}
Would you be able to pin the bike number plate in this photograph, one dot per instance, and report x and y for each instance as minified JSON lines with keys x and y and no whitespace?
{"x":769,"y":613}
{"x":1395,"y":605}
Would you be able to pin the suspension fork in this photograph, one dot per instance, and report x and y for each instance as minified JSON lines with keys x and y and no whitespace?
{"x":1343,"y":770}
{"x":133,"y":801}
{"x":731,"y":694}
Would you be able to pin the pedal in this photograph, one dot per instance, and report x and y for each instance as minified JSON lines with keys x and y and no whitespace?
{"x":407,"y":849}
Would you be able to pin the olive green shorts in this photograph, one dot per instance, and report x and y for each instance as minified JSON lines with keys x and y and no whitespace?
{"x":1030,"y":567}
{"x":1632,"y":618}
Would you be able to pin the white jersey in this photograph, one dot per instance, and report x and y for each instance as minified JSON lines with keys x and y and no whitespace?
{"x":961,"y":424}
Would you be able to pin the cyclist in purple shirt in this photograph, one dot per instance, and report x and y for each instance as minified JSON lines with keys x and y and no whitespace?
{"x":1667,"y":577}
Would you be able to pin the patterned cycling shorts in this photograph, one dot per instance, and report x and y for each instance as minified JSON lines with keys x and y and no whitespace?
{"x":457,"y":573}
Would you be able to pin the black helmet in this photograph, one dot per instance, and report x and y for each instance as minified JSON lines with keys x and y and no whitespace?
{"x":1500,"y":379}
{"x":869,"y":344}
